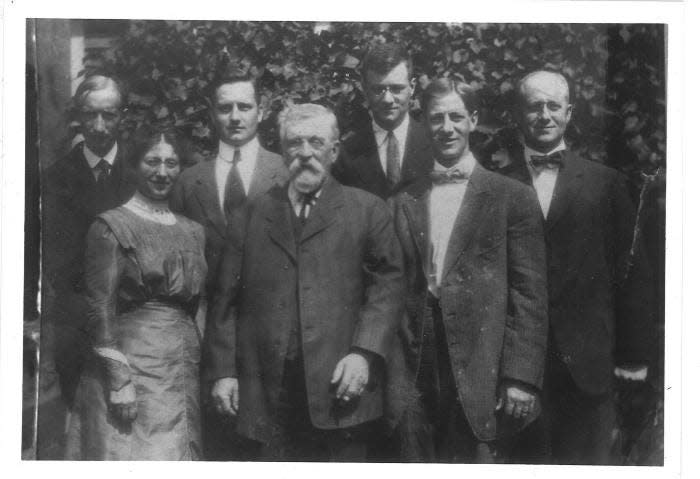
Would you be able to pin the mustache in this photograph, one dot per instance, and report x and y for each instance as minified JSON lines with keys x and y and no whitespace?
{"x":165,"y":181}
{"x":297,"y":167}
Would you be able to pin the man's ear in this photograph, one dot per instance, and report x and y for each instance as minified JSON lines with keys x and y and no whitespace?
{"x":210,"y":108}
{"x":474,"y":116}
{"x":335,"y":150}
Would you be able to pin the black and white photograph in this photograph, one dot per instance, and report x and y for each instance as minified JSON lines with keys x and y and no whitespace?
{"x":372,"y":241}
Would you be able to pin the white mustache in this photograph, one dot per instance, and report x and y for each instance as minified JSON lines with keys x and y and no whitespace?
{"x":299,"y":167}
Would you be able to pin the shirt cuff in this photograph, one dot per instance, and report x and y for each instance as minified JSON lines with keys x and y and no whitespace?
{"x":117,"y":370}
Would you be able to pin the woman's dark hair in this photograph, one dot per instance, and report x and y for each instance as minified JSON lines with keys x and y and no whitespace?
{"x":146,"y":137}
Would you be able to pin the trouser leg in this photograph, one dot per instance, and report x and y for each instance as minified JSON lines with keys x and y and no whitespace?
{"x":581,"y":424}
{"x":296,"y":439}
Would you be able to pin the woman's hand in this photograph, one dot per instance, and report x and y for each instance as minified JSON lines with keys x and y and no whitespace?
{"x":122,"y":403}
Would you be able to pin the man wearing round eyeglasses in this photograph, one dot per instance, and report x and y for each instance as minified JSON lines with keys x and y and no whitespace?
{"x":390,"y":149}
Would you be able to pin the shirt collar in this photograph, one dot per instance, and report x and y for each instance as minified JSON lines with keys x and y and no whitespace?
{"x":400,"y":131}
{"x":529,"y":151}
{"x":94,"y":159}
{"x":466,"y":163}
{"x":296,"y":198}
{"x":249,"y":150}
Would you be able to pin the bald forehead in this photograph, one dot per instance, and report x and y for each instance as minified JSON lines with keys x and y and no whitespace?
{"x":548,"y":83}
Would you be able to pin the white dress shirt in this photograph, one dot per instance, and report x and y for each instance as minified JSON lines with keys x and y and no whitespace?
{"x":544,"y":179}
{"x":94,"y":159}
{"x":246,"y":167}
{"x":444,"y":205}
{"x":380,"y":135}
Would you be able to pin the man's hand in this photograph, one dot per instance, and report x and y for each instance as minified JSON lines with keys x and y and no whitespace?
{"x":351,"y":376}
{"x":224,"y":392}
{"x":516,"y":401}
{"x":122,"y":403}
{"x":636,"y":373}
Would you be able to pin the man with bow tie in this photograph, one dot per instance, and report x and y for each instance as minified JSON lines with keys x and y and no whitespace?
{"x":599,"y":315}
{"x":475,"y":330}
{"x":318,"y":297}
{"x":215,"y":193}
{"x":91,"y":179}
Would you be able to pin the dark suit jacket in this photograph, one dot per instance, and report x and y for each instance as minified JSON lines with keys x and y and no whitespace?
{"x":493,"y":293}
{"x":70,"y":201}
{"x":597,"y":317}
{"x":343,"y":284}
{"x":358,"y":164}
{"x":196,"y":196}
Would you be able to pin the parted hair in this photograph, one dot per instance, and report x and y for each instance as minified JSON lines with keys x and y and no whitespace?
{"x":307,"y":111}
{"x":441,"y":87}
{"x":233,"y":73}
{"x":385,"y":57}
{"x":147,"y":136}
{"x":93,"y":83}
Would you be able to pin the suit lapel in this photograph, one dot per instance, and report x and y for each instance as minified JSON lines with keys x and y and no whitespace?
{"x":82,"y":173}
{"x":206,"y":193}
{"x":419,"y":223}
{"x":324,"y":213}
{"x":517,"y":168}
{"x":80,"y":184}
{"x":370,"y":167}
{"x":475,"y":207}
{"x":279,"y":220}
{"x":417,"y":157}
{"x":566,"y":188}
{"x":266,"y":173}
{"x":125,"y":181}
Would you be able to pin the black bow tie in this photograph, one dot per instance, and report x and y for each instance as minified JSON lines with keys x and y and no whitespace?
{"x":555,"y":160}
{"x":453,"y":175}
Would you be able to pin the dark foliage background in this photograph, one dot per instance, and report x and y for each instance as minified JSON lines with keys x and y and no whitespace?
{"x":617,"y":75}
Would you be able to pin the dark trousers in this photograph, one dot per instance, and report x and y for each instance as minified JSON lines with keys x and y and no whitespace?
{"x":581,"y":425}
{"x":574,"y":428}
{"x":436,"y":428}
{"x":296,"y":439}
{"x":220,"y":441}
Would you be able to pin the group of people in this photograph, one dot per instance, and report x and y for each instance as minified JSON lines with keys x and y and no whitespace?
{"x":383,"y":297}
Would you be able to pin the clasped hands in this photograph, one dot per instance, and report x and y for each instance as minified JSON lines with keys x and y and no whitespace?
{"x":350,"y":377}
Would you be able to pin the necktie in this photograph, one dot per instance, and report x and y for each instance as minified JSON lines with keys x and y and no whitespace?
{"x":234,"y":192}
{"x":393,"y":162}
{"x":453,"y":175}
{"x":555,"y":160}
{"x":102,"y":168}
{"x":307,"y":201}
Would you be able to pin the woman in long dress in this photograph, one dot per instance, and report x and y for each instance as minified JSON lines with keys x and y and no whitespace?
{"x":139,"y":397}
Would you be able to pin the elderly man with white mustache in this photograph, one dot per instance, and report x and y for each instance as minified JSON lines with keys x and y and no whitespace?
{"x":316,"y":305}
